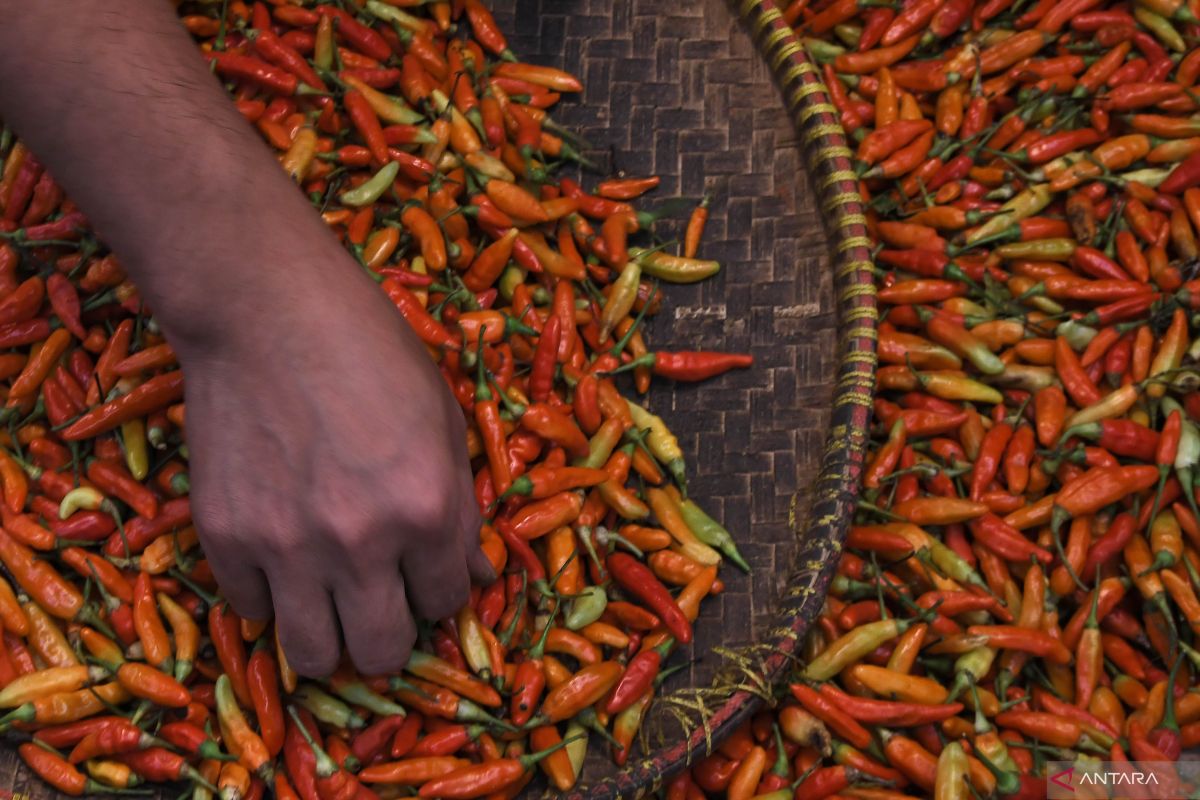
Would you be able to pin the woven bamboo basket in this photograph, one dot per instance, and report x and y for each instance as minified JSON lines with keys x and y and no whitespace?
{"x":719,"y":98}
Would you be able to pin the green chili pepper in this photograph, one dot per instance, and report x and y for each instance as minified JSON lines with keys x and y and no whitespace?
{"x":1151,"y":176}
{"x":1026,"y":204}
{"x":327,"y":708}
{"x":673,"y":269}
{"x":586,"y":608}
{"x":709,"y":531}
{"x":600,"y":447}
{"x":621,"y":299}
{"x":1076,"y":333}
{"x":395,"y":16}
{"x":373,"y":188}
{"x":662,"y":443}
{"x":848,"y":34}
{"x":358,"y":694}
{"x":585,"y":535}
{"x":1161,"y":27}
{"x":953,"y":565}
{"x":852,"y":646}
{"x":1040,"y":249}
{"x":512,"y":278}
{"x":619,"y":347}
{"x":970,"y":668}
{"x":1187,"y":454}
{"x":626,"y":724}
{"x":821,"y":50}
{"x":576,"y":738}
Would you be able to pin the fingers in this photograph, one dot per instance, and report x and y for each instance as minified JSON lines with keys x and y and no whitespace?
{"x":437,"y":582}
{"x":377,"y":625}
{"x":306,"y":624}
{"x":478,"y":567}
{"x":243,"y":585}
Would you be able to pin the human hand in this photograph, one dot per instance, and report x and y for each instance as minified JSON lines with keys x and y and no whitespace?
{"x":329,"y":469}
{"x":330,"y":474}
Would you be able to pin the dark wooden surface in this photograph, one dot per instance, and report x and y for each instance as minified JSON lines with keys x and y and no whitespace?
{"x":678,"y":90}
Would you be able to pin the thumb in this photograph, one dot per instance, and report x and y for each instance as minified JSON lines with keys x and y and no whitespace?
{"x":479,"y":567}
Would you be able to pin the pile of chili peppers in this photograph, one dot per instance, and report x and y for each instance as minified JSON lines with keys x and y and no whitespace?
{"x":1020,"y":583}
{"x":428,"y":148}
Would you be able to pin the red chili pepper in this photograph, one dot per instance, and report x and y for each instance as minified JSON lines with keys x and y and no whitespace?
{"x":832,"y":715}
{"x":280,"y":53}
{"x":263,"y":685}
{"x":1185,"y":175}
{"x":483,"y":25}
{"x":426,"y":327}
{"x":299,"y":758}
{"x":1075,"y":380}
{"x":224,"y":628}
{"x":159,"y":764}
{"x":1005,"y":541}
{"x":376,"y":77}
{"x":363,"y":39}
{"x":638,"y":580}
{"x":1099,"y":487}
{"x":158,"y":392}
{"x":367,"y":124}
{"x":248,"y":68}
{"x":987,"y":463}
{"x":889,"y":712}
{"x":22,"y":188}
{"x":638,"y":677}
{"x":375,"y":738}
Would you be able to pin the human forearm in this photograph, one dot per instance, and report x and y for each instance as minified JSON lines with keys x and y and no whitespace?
{"x":114,"y":98}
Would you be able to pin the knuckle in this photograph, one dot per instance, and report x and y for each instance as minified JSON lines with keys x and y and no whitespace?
{"x":357,"y":539}
{"x":312,"y":664}
{"x":351,"y":533}
{"x":329,"y":516}
{"x":428,"y":511}
{"x":275,"y":545}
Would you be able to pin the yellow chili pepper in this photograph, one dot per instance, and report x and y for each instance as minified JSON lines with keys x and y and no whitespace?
{"x":47,"y":639}
{"x":133,"y":444}
{"x":852,"y":646}
{"x":662,"y":443}
{"x":674,"y":269}
{"x":299,"y":155}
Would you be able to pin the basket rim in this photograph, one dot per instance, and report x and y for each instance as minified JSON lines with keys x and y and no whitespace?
{"x":820,"y":535}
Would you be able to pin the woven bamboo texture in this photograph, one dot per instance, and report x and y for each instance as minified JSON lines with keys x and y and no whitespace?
{"x":717,"y":98}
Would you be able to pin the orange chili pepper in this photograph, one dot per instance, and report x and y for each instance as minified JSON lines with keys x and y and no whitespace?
{"x":151,"y":632}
